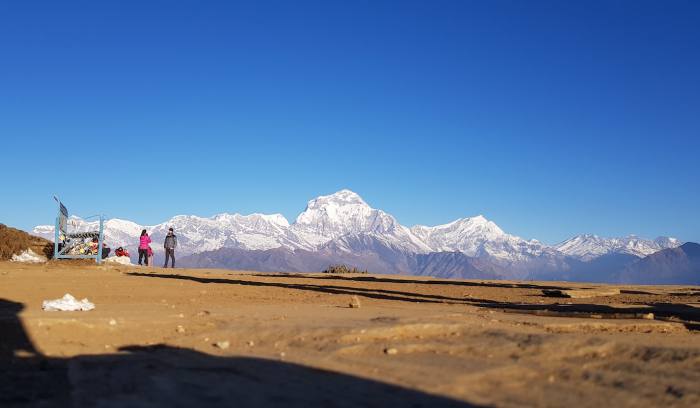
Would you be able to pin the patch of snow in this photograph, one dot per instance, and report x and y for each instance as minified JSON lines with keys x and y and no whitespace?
{"x":28,"y":256}
{"x":67,"y":304}
{"x":123,"y":260}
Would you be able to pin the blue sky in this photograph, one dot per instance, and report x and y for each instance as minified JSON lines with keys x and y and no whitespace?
{"x":550,"y":118}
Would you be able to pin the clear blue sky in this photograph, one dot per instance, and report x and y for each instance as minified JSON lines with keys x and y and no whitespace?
{"x":550,"y":118}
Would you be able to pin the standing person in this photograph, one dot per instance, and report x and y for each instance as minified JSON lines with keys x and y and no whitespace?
{"x":143,"y":247}
{"x":170,"y":244}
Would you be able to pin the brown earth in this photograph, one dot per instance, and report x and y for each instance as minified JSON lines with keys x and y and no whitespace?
{"x":220,"y":338}
{"x":14,"y":242}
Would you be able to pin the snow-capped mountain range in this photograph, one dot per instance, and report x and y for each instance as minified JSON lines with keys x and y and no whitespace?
{"x":343,"y":223}
{"x":588,"y":247}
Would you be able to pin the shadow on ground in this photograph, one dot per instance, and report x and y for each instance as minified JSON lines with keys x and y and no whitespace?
{"x":374,"y":279}
{"x":168,"y":376}
{"x":688,"y":315}
{"x":332,"y":289}
{"x":672,"y":312}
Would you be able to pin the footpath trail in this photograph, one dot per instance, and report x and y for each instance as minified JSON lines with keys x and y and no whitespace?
{"x":181,"y":337}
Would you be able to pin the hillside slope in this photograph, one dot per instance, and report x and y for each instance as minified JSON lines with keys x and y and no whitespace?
{"x":14,"y":242}
{"x":673,"y":265}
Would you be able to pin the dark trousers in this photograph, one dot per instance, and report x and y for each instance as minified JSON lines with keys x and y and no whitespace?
{"x":169,"y":254}
{"x":143,"y":253}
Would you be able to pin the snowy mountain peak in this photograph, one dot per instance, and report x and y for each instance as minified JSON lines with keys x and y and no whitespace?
{"x":275,"y":219}
{"x":117,"y":222}
{"x":341,"y":212}
{"x":480,"y":224}
{"x":345,"y":213}
{"x":667,"y":242}
{"x":477,"y":236}
{"x":588,"y":246}
{"x":460,"y":229}
{"x":334,"y":209}
{"x":123,"y":225}
{"x":339,"y":198}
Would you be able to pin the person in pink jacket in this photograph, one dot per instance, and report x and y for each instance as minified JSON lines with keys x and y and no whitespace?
{"x":144,"y":242}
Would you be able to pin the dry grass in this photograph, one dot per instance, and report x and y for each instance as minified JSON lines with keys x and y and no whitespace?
{"x":14,"y":241}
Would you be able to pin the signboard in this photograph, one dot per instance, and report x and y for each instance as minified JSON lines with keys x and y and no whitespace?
{"x":62,"y":218}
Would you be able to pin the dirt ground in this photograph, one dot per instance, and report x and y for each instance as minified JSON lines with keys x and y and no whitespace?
{"x":219,"y":338}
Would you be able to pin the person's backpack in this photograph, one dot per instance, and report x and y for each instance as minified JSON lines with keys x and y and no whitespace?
{"x":170,"y":241}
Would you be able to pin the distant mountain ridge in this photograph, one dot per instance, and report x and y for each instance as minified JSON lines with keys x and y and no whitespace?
{"x":669,"y":266}
{"x":332,"y":218}
{"x":587,"y":247}
{"x":343,"y":227}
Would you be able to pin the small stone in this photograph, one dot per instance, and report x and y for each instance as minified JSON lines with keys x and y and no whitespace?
{"x":181,"y":315}
{"x":355,"y":303}
{"x":24,"y":354}
{"x":648,"y":316}
{"x":223,"y":345}
{"x":180,"y":329}
{"x":282,"y":354}
{"x":250,"y":343}
{"x":390,"y":351}
{"x":112,"y":322}
{"x":206,"y":339}
{"x":550,"y":379}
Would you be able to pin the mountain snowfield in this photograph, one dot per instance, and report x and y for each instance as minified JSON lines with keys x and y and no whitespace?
{"x":343,"y":226}
{"x":588,"y":247}
{"x":195,"y":234}
{"x":332,"y":218}
{"x":344,"y":213}
{"x":477,"y":236}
